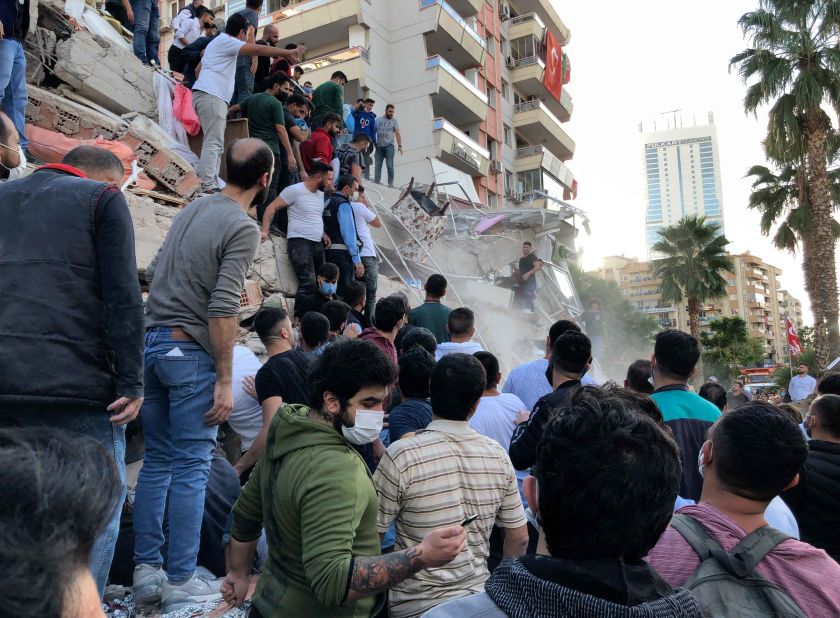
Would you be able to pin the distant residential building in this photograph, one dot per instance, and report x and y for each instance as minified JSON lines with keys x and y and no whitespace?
{"x":753,"y":293}
{"x":682,"y":173}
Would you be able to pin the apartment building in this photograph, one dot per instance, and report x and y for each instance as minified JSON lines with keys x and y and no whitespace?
{"x":467,"y":78}
{"x":753,"y":292}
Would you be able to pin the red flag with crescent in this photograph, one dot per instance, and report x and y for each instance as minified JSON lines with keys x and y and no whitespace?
{"x":553,"y":78}
{"x":793,"y":339}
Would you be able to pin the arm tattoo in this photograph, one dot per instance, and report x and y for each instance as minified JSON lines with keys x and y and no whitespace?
{"x":373,"y":574}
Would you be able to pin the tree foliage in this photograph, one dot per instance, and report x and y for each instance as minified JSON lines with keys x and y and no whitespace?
{"x":629,"y":334}
{"x":729,"y":346}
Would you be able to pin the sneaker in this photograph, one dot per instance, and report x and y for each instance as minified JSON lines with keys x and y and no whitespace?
{"x":194,"y":590}
{"x":147,"y":584}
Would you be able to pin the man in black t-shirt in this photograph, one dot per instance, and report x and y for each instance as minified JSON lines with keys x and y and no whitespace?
{"x":525,"y":277}
{"x":281,"y":380}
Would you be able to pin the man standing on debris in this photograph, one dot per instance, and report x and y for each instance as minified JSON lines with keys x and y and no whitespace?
{"x":351,"y":157}
{"x":14,"y":26}
{"x":319,"y":146}
{"x":387,"y":139}
{"x":72,"y":315}
{"x":328,"y":98}
{"x":146,"y":31}
{"x":270,"y":37}
{"x":190,"y":26}
{"x":246,"y":65}
{"x":526,"y":278}
{"x":192,"y":324}
{"x":214,"y":88}
{"x":340,"y":227}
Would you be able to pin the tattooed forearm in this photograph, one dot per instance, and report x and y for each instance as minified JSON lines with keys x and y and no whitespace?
{"x":373,"y":574}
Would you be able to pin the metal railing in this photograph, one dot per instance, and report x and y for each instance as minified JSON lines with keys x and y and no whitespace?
{"x":454,"y":14}
{"x":522,"y":19}
{"x":433,"y":62}
{"x":441,"y":124}
{"x":527,"y":106}
{"x":527,"y":151}
{"x":300,"y":7}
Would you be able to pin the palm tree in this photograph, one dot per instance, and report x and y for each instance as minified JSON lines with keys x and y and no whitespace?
{"x":694,"y":256}
{"x":794,"y":65}
{"x":782,"y":198}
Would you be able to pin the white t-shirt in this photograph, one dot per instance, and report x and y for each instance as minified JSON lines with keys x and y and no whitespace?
{"x":218,"y":67}
{"x":189,"y":28}
{"x":801,"y":387}
{"x":453,"y":347}
{"x":306,"y":212}
{"x":364,"y":215}
{"x":246,"y":416}
{"x":495,"y":415}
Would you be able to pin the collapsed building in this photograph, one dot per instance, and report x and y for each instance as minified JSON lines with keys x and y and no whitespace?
{"x":86,"y":86}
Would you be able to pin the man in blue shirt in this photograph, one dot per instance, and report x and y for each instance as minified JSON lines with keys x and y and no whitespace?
{"x":365,"y":120}
{"x":340,"y":226}
{"x":675,"y":355}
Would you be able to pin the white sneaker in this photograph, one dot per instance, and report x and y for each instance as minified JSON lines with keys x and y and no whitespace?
{"x":147,"y":584}
{"x":194,"y":590}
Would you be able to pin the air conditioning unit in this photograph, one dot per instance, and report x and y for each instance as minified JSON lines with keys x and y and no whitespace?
{"x":496,"y":167}
{"x":511,"y":63}
{"x":504,"y":11}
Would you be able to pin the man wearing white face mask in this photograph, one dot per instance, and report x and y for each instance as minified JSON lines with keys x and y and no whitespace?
{"x":12,"y":159}
{"x":313,"y":495}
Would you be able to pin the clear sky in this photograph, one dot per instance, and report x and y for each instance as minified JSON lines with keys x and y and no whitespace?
{"x":632,"y":61}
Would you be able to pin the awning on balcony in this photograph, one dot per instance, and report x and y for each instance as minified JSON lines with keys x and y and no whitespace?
{"x":447,"y":174}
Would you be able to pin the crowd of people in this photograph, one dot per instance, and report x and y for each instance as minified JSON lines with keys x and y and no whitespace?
{"x":377,"y":463}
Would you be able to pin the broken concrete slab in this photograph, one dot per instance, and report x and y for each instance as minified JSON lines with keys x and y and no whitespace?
{"x":273,"y":269}
{"x":149,"y":230}
{"x":106,"y":74}
{"x":48,"y":110}
{"x":39,"y":44}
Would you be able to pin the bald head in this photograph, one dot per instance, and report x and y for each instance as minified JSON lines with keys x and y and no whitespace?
{"x":248,"y":161}
{"x":271,"y":34}
{"x":97,"y":164}
{"x":9,"y":145}
{"x":824,"y":418}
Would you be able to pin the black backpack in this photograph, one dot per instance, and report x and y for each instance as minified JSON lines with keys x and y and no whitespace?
{"x":725,"y":584}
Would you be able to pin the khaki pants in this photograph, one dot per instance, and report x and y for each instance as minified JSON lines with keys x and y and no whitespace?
{"x":212,"y":112}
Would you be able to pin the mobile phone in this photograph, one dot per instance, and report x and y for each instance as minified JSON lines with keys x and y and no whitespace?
{"x":470,"y":519}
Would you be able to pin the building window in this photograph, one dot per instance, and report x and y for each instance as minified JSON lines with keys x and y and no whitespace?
{"x":492,"y":146}
{"x":506,"y":133}
{"x":491,"y":96}
{"x":505,"y":47}
{"x":491,"y":45}
{"x":505,"y":90}
{"x":492,"y":200}
{"x":508,"y":181}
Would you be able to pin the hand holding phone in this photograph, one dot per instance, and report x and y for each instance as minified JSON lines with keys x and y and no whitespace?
{"x":469,"y":520}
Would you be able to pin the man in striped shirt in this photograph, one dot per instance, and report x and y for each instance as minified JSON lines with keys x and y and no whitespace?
{"x":444,"y":475}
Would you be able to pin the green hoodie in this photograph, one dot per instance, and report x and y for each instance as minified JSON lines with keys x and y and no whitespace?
{"x":314,"y":495}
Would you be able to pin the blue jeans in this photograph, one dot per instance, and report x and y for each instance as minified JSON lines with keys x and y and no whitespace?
{"x":387,"y":153}
{"x":179,"y":448}
{"x":13,"y":95}
{"x":146,"y":30}
{"x":97,"y":425}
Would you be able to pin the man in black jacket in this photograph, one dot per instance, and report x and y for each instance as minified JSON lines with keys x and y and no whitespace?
{"x":340,"y":226}
{"x":815,"y":501}
{"x":570,"y":359}
{"x":71,"y":320}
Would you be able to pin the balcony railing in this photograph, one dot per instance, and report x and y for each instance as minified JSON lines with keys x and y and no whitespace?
{"x":434,"y":62}
{"x":319,"y":62}
{"x":528,"y":151}
{"x":440,"y":124}
{"x":659,"y":309}
{"x":300,"y":7}
{"x":533,"y":104}
{"x":523,"y":19}
{"x":454,"y":14}
{"x":528,"y":61}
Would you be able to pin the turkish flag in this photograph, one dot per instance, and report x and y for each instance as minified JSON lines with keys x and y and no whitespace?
{"x":553,"y":78}
{"x":793,"y":339}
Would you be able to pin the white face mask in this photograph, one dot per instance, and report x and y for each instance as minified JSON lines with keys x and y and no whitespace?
{"x":16,"y":172}
{"x":367,"y":428}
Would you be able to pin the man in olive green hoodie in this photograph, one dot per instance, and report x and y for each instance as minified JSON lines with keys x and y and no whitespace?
{"x":314,"y":495}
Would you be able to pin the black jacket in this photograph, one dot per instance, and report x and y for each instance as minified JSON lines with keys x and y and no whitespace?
{"x":71,"y":316}
{"x":523,"y":443}
{"x":15,"y":18}
{"x":815,"y":501}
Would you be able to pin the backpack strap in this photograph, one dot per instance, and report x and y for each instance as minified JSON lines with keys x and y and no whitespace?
{"x":752,"y":549}
{"x":696,"y":536}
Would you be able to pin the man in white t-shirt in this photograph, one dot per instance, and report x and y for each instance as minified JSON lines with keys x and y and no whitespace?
{"x":213,"y":90}
{"x":305,"y":237}
{"x":801,"y":385}
{"x":246,"y":417}
{"x":365,"y":219}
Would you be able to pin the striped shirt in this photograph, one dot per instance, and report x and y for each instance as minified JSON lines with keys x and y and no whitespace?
{"x":439,"y":477}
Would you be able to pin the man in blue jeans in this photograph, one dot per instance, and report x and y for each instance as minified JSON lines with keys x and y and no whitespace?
{"x":192,"y":324}
{"x":14,"y":25}
{"x":72,"y":360}
{"x":146,"y":31}
{"x":388,"y":139}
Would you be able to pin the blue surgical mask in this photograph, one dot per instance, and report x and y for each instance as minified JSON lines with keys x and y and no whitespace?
{"x":328,"y":289}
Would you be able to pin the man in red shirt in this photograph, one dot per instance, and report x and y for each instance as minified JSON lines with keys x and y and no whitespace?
{"x":320,"y":143}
